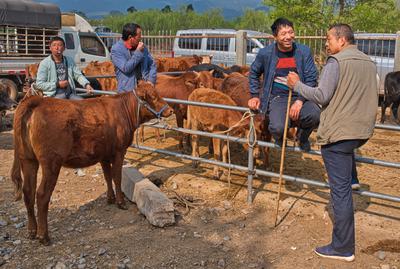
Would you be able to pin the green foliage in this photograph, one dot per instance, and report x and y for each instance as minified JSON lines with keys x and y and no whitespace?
{"x":154,"y":21}
{"x":131,"y":9}
{"x":375,"y":16}
{"x":254,"y":20}
{"x":307,"y":15}
{"x":166,"y":9}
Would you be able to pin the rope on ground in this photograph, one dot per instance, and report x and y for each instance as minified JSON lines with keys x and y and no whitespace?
{"x":187,"y":202}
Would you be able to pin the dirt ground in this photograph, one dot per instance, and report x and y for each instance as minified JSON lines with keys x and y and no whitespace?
{"x":217,"y":230}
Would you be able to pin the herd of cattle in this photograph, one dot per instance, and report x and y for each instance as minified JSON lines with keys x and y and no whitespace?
{"x":82,"y":133}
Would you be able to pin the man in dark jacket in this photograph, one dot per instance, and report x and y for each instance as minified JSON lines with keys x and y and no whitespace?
{"x":274,"y":62}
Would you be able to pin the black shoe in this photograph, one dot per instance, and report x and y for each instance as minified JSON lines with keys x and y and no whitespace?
{"x":305,"y":146}
{"x":329,"y":252}
{"x":278,"y":142}
{"x":304,"y":143}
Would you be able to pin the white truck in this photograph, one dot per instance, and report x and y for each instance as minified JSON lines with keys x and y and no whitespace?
{"x":25,"y":30}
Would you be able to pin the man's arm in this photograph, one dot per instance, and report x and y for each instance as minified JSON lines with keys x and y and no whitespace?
{"x":256,"y":70}
{"x":150,"y":74}
{"x":77,"y":74}
{"x":48,"y":87}
{"x":322,"y":93}
{"x":126,"y":66}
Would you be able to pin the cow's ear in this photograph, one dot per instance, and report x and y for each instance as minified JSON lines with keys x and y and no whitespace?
{"x":140,"y":92}
{"x":212,"y":72}
{"x":190,"y":83}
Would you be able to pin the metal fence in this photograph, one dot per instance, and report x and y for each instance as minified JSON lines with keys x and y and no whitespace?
{"x":250,"y":169}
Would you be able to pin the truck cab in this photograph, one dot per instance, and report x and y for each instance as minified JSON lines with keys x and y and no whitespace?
{"x":81,"y":42}
{"x":26,"y":28}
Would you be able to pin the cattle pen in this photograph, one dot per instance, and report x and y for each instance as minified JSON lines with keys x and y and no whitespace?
{"x":250,"y":169}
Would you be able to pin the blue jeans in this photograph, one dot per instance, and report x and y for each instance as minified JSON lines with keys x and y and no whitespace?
{"x":308,"y":119}
{"x":67,"y":94}
{"x":340,"y":165}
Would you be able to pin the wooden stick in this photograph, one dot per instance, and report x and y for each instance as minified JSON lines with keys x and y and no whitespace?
{"x":283,"y":155}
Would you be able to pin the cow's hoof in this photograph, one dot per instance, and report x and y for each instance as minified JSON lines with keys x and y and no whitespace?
{"x":122,"y":206}
{"x":31,"y":234}
{"x":44,"y":240}
{"x":110,"y":200}
{"x":195,"y":164}
{"x":217,"y":176}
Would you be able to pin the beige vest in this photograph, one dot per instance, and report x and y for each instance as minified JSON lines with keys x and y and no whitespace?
{"x":351,"y":113}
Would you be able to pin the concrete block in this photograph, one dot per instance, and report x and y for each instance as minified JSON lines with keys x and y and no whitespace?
{"x":130,"y":176}
{"x":154,"y":204}
{"x":151,"y":202}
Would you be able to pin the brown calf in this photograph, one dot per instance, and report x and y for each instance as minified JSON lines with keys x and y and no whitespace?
{"x":95,"y":68}
{"x":214,"y":120}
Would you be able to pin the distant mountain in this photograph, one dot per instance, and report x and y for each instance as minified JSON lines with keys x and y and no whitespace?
{"x":97,"y":8}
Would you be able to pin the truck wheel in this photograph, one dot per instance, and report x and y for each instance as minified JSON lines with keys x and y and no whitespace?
{"x":11,"y":88}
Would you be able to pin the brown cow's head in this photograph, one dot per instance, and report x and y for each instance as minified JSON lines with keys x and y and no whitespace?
{"x":154,"y":105}
{"x":194,"y":80}
{"x":5,"y":101}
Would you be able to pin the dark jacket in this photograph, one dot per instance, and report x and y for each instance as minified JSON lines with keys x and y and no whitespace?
{"x":265,"y":64}
{"x":131,"y":66}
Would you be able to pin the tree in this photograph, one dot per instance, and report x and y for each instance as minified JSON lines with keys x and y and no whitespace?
{"x":131,"y":9}
{"x":305,"y":14}
{"x":166,"y":9}
{"x":115,"y":13}
{"x":190,"y":8}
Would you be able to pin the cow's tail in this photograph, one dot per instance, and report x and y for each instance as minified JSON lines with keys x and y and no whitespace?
{"x":21,"y":116}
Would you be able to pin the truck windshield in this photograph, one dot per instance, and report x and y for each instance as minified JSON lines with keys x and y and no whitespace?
{"x":91,"y":44}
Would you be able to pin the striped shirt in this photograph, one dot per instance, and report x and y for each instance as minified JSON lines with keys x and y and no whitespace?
{"x":286,"y":63}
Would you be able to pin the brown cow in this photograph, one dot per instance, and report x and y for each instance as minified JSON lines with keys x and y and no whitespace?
{"x":180,"y":63}
{"x":215,"y":121}
{"x":181,"y":87}
{"x":53,"y":133}
{"x":95,"y":68}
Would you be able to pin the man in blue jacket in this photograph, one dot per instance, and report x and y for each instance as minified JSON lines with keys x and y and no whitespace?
{"x":275,"y":62}
{"x":132,"y":60}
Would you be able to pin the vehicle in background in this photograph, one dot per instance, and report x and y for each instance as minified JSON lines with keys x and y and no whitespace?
{"x":25,"y":31}
{"x":380,"y":48}
{"x":218,"y":43}
{"x":108,"y":37}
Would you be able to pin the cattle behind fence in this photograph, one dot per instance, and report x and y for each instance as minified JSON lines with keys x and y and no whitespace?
{"x":224,"y":47}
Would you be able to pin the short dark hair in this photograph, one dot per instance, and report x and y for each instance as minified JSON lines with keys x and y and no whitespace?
{"x":130,"y":29}
{"x":56,"y":38}
{"x":278,"y":23}
{"x":343,"y":30}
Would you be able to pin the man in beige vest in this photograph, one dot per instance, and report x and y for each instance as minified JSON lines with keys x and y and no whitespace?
{"x":348,"y":94}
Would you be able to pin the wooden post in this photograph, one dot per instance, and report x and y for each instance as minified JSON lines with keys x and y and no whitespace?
{"x":396,"y":54}
{"x":241,"y":47}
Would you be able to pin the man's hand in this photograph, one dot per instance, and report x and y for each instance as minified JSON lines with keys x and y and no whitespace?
{"x":89,"y":89}
{"x":140,"y":46}
{"x":254,"y":103}
{"x":63,"y":84}
{"x":294,"y":111}
{"x":292,"y":79}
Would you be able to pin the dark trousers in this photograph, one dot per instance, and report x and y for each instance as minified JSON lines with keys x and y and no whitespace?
{"x":340,"y":165}
{"x":308,"y":119}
